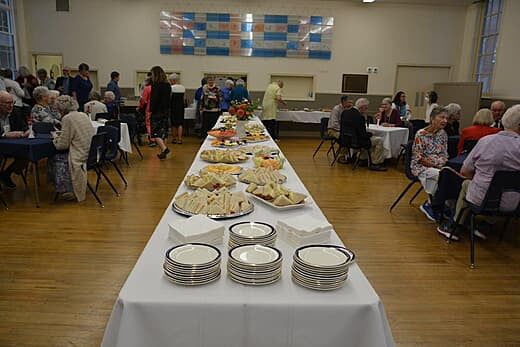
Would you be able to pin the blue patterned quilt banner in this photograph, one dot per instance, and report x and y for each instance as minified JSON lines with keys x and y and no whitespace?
{"x":248,"y":35}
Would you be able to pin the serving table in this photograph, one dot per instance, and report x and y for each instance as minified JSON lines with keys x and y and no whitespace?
{"x":393,"y":138}
{"x":298,"y":116}
{"x":151,"y":311}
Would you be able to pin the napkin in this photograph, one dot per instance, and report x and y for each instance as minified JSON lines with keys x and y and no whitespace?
{"x":305,"y":225}
{"x":198,"y":228}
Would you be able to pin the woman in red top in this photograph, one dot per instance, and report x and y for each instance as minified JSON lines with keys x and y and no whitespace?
{"x":481,"y":127}
{"x":387,"y":116}
{"x":144,"y":106}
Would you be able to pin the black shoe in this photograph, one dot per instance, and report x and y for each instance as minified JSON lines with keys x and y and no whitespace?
{"x":6,"y":180}
{"x":167,"y":150}
{"x":377,"y":168}
{"x":174,"y":142}
{"x":163,"y":154}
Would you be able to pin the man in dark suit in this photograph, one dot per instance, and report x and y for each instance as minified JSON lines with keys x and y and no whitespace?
{"x":498,"y":108}
{"x":353,"y":123}
{"x":63,"y":82}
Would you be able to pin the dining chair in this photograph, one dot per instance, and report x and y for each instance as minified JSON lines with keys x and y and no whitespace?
{"x":324,"y":122}
{"x":413,"y":179}
{"x":112,"y":147}
{"x":131,"y":122}
{"x":95,"y":161}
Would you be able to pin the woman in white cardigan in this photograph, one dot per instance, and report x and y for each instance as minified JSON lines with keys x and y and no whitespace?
{"x":69,"y":170}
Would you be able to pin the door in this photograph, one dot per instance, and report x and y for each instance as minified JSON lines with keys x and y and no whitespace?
{"x":416,"y":81}
{"x":52,"y":63}
{"x":466,"y":94}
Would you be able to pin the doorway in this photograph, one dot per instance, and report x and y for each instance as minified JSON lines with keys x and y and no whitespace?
{"x":52,"y":63}
{"x":416,"y":81}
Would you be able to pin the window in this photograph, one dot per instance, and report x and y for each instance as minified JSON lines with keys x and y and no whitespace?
{"x":7,"y":51}
{"x":487,"y":53}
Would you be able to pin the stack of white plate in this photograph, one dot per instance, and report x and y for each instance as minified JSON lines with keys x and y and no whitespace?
{"x":321,"y":267}
{"x":192,"y":264}
{"x":254,"y":265}
{"x":251,"y":233}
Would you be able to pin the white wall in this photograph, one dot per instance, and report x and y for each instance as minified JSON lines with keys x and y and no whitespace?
{"x":124,"y":35}
{"x":506,"y":79}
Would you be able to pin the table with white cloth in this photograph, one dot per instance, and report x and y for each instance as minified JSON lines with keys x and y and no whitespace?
{"x":298,"y":116}
{"x":151,"y":311}
{"x":393,"y":138}
{"x":124,"y":144}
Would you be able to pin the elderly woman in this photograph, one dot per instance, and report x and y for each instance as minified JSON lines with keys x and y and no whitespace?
{"x":481,"y":127}
{"x":225,"y":102}
{"x":41,"y":112}
{"x":53,"y":95}
{"x":67,"y":170}
{"x":388,"y":116}
{"x":239,"y":92}
{"x":429,"y":154}
{"x":109,"y":101}
{"x":94,"y":106}
{"x":452,"y":127}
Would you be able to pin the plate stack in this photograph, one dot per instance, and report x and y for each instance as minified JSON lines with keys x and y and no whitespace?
{"x":321,"y":267}
{"x":199,"y":229}
{"x":251,"y":233}
{"x":192,"y":264}
{"x":255,"y":265}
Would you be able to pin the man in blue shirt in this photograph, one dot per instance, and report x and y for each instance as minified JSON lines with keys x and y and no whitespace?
{"x":81,"y":85}
{"x":113,"y":85}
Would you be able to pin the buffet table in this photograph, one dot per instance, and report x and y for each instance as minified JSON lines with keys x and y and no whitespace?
{"x":393,"y":138}
{"x":298,"y":116}
{"x":151,"y":311}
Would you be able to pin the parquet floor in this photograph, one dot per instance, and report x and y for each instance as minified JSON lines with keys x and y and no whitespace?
{"x":61,"y":266}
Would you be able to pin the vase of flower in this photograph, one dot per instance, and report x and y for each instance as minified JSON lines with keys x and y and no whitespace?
{"x":241,"y":128}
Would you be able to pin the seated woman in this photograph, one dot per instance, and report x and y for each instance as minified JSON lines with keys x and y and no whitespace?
{"x":109,"y":101}
{"x":94,"y":106}
{"x":388,"y":116}
{"x":41,"y":112}
{"x":452,"y":127}
{"x":399,"y":103}
{"x":53,"y":95}
{"x":481,"y":127}
{"x":429,"y":154}
{"x":67,"y":170}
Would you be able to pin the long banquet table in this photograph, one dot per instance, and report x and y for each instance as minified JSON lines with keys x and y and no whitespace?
{"x":151,"y":311}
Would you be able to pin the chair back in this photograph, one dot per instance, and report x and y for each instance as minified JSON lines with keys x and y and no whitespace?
{"x":102,"y":115}
{"x":116,"y":123}
{"x":111,"y":143}
{"x":43,"y":127}
{"x":453,"y":142}
{"x":131,"y":122}
{"x":469,"y":144}
{"x":417,"y":124}
{"x":96,"y":154}
{"x":324,"y":123}
{"x":502,"y":182}
{"x":408,"y":161}
{"x":348,"y":138}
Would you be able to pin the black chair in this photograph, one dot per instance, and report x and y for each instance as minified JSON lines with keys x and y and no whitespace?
{"x":131,"y":122}
{"x":102,"y":115}
{"x":324,"y":122}
{"x":453,"y":143}
{"x":502,"y":182}
{"x":95,"y":161}
{"x":43,"y":127}
{"x":112,"y":147}
{"x":2,"y":199}
{"x":413,"y":179}
{"x":417,"y":124}
{"x":348,"y":140}
{"x":468,"y":145}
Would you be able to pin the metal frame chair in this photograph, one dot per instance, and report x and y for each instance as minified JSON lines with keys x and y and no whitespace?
{"x":413,"y":179}
{"x":324,"y":122}
{"x":112,"y":148}
{"x":502,"y":182}
{"x":132,"y":130}
{"x":95,"y":161}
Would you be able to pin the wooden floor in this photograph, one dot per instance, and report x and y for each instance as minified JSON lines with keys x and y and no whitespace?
{"x":62,"y":265}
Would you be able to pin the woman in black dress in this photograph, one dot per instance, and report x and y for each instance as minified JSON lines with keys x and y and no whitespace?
{"x":160,"y":108}
{"x":177,"y":108}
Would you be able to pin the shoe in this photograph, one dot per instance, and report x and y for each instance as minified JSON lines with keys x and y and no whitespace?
{"x":479,"y":234}
{"x":167,"y":150}
{"x":163,"y":154}
{"x":427,"y":209}
{"x":444,"y":230}
{"x":179,"y":142}
{"x":68,"y":196}
{"x":343,"y":160}
{"x":377,"y":168}
{"x":152,"y":144}
{"x":6,"y":180}
{"x":174,"y":142}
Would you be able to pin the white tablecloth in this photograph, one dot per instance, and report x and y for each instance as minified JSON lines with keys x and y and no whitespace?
{"x":124,"y":143}
{"x":298,"y":116}
{"x":151,"y":311}
{"x":393,"y":138}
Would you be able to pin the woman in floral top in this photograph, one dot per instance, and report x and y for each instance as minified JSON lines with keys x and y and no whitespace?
{"x":430,"y":154}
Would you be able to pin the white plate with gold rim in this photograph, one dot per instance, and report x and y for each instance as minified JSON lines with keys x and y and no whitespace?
{"x":255,"y":254}
{"x":197,"y":254}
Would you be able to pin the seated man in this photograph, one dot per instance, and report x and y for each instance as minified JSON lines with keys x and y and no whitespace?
{"x":498,"y":107}
{"x":497,"y":152}
{"x":353,"y":119}
{"x":109,"y":101}
{"x":94,"y":106}
{"x":6,"y":106}
{"x":335,"y":115}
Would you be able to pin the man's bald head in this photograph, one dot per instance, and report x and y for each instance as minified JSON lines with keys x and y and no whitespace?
{"x":6,"y":103}
{"x":498,"y":108}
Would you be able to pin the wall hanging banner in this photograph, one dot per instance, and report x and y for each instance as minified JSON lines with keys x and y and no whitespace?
{"x":248,"y":35}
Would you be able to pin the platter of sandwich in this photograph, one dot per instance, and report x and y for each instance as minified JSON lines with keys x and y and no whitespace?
{"x":277,"y":196}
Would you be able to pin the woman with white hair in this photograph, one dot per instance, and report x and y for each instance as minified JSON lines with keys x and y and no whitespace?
{"x":452,"y":128}
{"x":176,"y":108}
{"x":481,"y":127}
{"x":239,"y":92}
{"x":109,"y":101}
{"x":41,"y":112}
{"x":388,"y":116}
{"x":68,"y":171}
{"x":226,"y":95}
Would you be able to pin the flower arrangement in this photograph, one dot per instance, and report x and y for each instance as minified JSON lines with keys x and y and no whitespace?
{"x":243,"y":110}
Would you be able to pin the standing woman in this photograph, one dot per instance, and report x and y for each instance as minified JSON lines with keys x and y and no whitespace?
{"x":177,"y":108}
{"x":28,"y":82}
{"x":399,"y":103}
{"x":160,"y":108}
{"x":210,"y":105}
{"x":81,"y":85}
{"x":431,"y":103}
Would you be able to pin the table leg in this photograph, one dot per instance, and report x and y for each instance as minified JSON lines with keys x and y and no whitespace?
{"x":36,"y":184}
